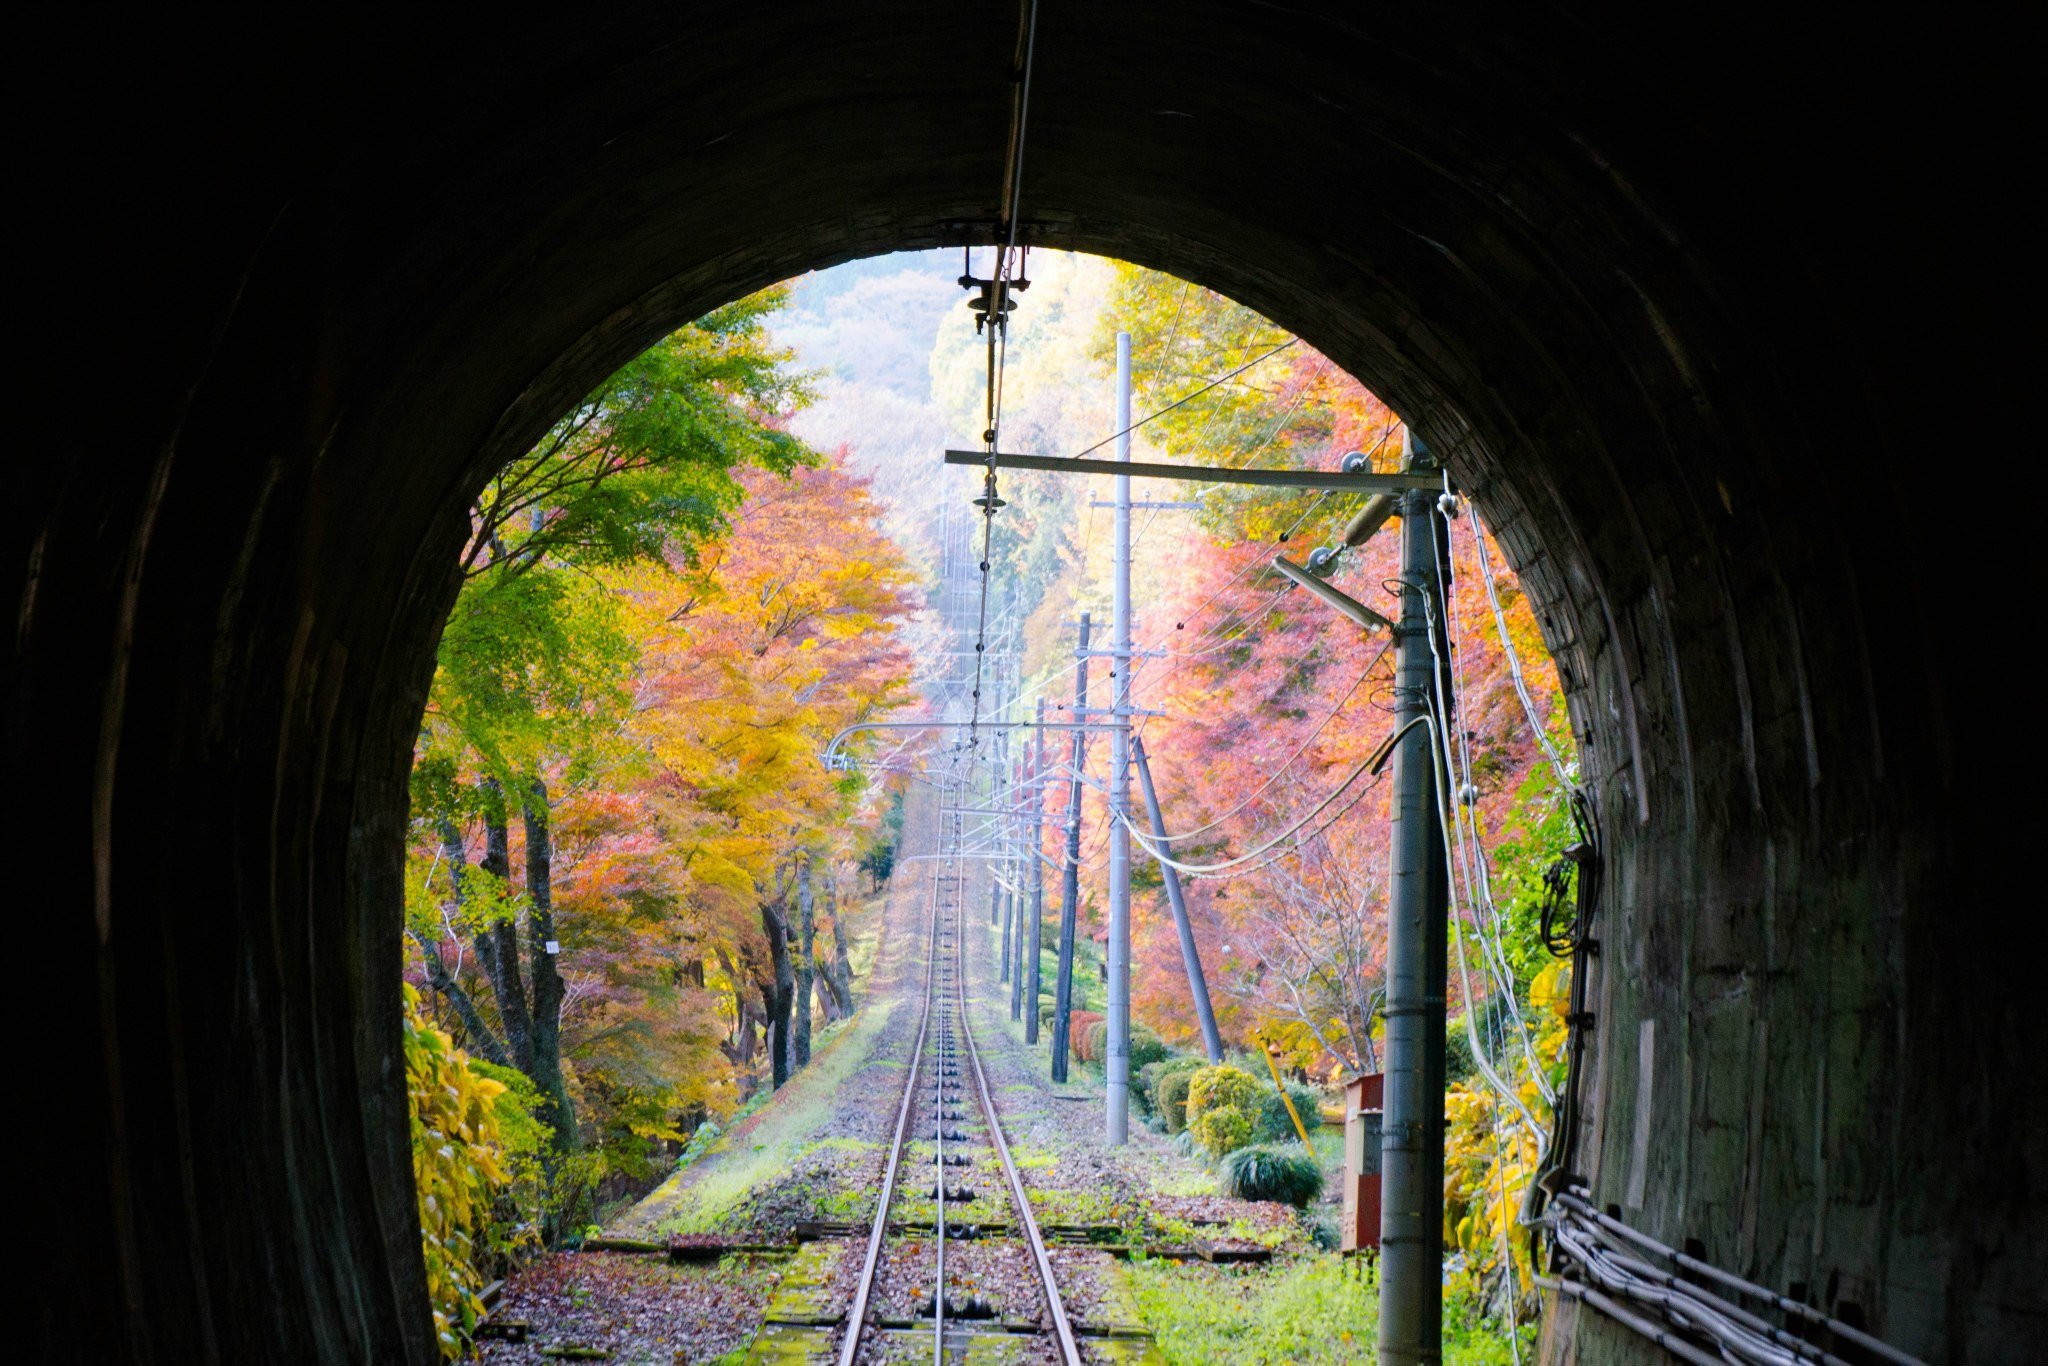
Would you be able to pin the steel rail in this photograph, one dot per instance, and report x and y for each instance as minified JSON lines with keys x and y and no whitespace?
{"x":1063,"y":1330}
{"x":856,"y":1316}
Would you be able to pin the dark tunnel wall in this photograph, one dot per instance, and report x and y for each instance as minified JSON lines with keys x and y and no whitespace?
{"x":1718,"y":323}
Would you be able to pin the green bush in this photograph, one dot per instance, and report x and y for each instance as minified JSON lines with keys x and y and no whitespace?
{"x":1146,"y":1047}
{"x":1222,"y":1129}
{"x":1092,"y":1044}
{"x":1171,"y":1098}
{"x":1145,"y":1081}
{"x":1272,"y":1124}
{"x":1221,"y":1085}
{"x":1283,"y":1172}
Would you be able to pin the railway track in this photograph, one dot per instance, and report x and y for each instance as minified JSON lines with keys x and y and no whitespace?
{"x":934,"y":1141}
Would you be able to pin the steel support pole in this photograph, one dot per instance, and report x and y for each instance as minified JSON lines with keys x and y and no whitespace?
{"x":1190,"y":956}
{"x":1070,"y":891}
{"x":1412,"y":1135}
{"x":1009,"y":905}
{"x":1117,"y":1048}
{"x":1031,"y":943}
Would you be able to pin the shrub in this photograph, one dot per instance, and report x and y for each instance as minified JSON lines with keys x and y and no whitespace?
{"x":1078,"y":1024}
{"x":1145,"y":1083}
{"x":1283,"y":1172}
{"x":1222,"y":1129}
{"x":1272,"y":1124}
{"x":1092,"y":1044}
{"x":1172,"y":1100}
{"x":459,"y":1169}
{"x":1214,"y":1087}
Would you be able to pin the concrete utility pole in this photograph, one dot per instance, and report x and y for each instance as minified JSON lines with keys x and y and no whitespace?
{"x":1117,"y":1063}
{"x":1412,"y":1136}
{"x":1070,"y":893}
{"x":1190,"y":956}
{"x":1028,"y":943}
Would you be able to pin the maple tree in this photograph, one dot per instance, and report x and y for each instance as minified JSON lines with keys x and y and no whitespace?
{"x":667,"y":608}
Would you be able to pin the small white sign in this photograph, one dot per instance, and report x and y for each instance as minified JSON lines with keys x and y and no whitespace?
{"x":554,"y":946}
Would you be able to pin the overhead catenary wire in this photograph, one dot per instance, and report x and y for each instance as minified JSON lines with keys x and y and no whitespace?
{"x":998,"y":325}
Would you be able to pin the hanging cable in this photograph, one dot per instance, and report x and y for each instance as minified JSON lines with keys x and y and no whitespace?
{"x":1187,"y":398}
{"x":1300,"y":749}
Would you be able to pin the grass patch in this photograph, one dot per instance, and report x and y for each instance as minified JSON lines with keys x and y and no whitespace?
{"x":1322,"y":1308}
{"x":785,"y":1130}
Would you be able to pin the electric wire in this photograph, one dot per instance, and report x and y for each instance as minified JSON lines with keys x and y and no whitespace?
{"x":1514,"y":660}
{"x":1302,"y":748}
{"x":1186,"y":398}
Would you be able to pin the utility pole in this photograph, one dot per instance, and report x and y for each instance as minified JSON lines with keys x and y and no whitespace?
{"x":1412,"y":1136}
{"x":1190,"y":956}
{"x":1117,"y":1063}
{"x":1028,"y":942}
{"x":1070,"y":892}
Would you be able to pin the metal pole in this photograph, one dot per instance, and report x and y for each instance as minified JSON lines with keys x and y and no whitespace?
{"x":1190,"y":956}
{"x":1412,"y":1136}
{"x":1030,"y":942}
{"x":1117,"y":1063}
{"x":1070,"y":891}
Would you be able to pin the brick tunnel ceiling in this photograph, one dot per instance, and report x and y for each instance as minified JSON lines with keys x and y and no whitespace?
{"x":1682,"y":309}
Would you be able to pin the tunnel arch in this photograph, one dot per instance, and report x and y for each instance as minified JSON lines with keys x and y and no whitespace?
{"x":1657,"y":294}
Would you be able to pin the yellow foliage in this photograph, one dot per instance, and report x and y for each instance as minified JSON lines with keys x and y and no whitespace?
{"x":458,"y":1169}
{"x":1490,"y":1152}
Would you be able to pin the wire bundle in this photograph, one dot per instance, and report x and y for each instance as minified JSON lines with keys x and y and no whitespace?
{"x":1693,"y":1323}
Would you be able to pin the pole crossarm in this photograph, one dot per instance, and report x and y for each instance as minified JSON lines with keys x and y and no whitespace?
{"x":831,"y":753}
{"x":1321,"y":480}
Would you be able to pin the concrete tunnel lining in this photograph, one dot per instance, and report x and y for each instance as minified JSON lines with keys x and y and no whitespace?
{"x":1644,"y":287}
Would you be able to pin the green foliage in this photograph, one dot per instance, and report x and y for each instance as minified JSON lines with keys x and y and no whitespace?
{"x":532,"y":665}
{"x":700,"y":1143}
{"x":1170,"y":1098}
{"x":644,"y":464}
{"x":1286,"y":1173}
{"x":1146,"y":1047}
{"x":1219,"y":1086}
{"x":1272,"y":1123}
{"x":1146,"y":1078}
{"x":1221,"y":1129}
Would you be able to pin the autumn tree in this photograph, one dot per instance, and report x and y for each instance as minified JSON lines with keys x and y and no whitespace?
{"x":533,"y":684}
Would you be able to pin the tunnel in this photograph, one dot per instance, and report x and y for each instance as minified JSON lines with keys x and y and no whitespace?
{"x":1717,"y":313}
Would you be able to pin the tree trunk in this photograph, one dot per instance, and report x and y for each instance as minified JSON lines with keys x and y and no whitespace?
{"x":806,"y":966}
{"x":841,"y":975}
{"x":779,"y":993}
{"x":544,"y":954}
{"x":477,"y":1035}
{"x":480,"y":1038}
{"x":497,"y":944}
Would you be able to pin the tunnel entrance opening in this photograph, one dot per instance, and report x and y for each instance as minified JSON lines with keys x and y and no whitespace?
{"x":1230,"y":658}
{"x":1647,"y":313}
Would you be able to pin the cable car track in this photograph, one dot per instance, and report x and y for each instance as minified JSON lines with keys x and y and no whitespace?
{"x":943,"y":1040}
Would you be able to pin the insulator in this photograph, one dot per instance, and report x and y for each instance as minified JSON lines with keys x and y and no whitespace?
{"x":1468,"y":794}
{"x":1447,"y":504}
{"x":1355,"y":462}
